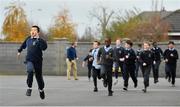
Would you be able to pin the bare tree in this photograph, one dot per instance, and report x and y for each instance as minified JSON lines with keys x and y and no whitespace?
{"x":103,"y":16}
{"x":155,"y":4}
{"x":87,"y":36}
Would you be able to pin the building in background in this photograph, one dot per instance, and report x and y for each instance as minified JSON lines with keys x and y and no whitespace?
{"x":172,"y":17}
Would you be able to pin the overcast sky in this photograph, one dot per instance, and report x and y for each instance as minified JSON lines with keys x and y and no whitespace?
{"x":41,"y":12}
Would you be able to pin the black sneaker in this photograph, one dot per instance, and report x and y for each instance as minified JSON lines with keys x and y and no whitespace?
{"x":95,"y":89}
{"x":28,"y":92}
{"x":105,"y":83}
{"x":110,"y":93}
{"x":125,"y":88}
{"x":169,"y":79}
{"x":135,"y":85}
{"x":156,"y":81}
{"x":41,"y":94}
{"x":144,"y":90}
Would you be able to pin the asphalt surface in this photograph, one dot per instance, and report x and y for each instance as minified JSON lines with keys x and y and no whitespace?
{"x":62,"y":92}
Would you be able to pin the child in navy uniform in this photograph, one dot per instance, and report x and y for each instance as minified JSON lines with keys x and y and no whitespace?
{"x":118,"y":56}
{"x":138,"y":63}
{"x":157,"y":61}
{"x":95,"y":66}
{"x":105,"y":59}
{"x":129,"y":64}
{"x":147,"y":58}
{"x":35,"y":45}
{"x":170,"y":57}
{"x":89,"y":60}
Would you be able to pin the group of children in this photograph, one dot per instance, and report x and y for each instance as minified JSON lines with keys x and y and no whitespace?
{"x":101,"y":61}
{"x":129,"y":61}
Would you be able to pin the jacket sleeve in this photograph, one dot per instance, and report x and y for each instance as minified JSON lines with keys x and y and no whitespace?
{"x":99,"y":54}
{"x":161,"y":52}
{"x":68,"y":53}
{"x":176,"y":55}
{"x":75,"y":53}
{"x":42,"y":44}
{"x":23,"y":45}
{"x":165,"y":54}
{"x":153,"y":56}
{"x":141,"y":57}
{"x":114,"y":54}
{"x":86,"y":58}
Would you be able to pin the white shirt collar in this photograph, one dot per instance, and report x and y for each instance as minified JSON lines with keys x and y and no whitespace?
{"x":171,"y":49}
{"x":37,"y":36}
{"x":128,"y":49}
{"x":107,"y":48}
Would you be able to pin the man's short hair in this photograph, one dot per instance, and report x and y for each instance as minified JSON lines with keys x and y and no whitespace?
{"x":108,"y":40}
{"x":147,"y":42}
{"x":171,"y":42}
{"x":129,"y":42}
{"x":37,"y":27}
{"x":97,"y":42}
{"x":73,"y":43}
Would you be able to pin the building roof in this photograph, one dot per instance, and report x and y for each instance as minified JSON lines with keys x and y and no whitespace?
{"x":174,"y":21}
{"x":172,"y":17}
{"x":147,"y":14}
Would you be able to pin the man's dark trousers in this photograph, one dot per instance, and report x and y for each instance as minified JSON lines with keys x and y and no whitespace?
{"x":129,"y":70}
{"x":119,"y":64}
{"x":37,"y":68}
{"x":89,"y":70}
{"x":106,"y":73}
{"x":146,"y":72}
{"x":96,"y":74}
{"x":155,"y":69}
{"x":171,"y":71}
